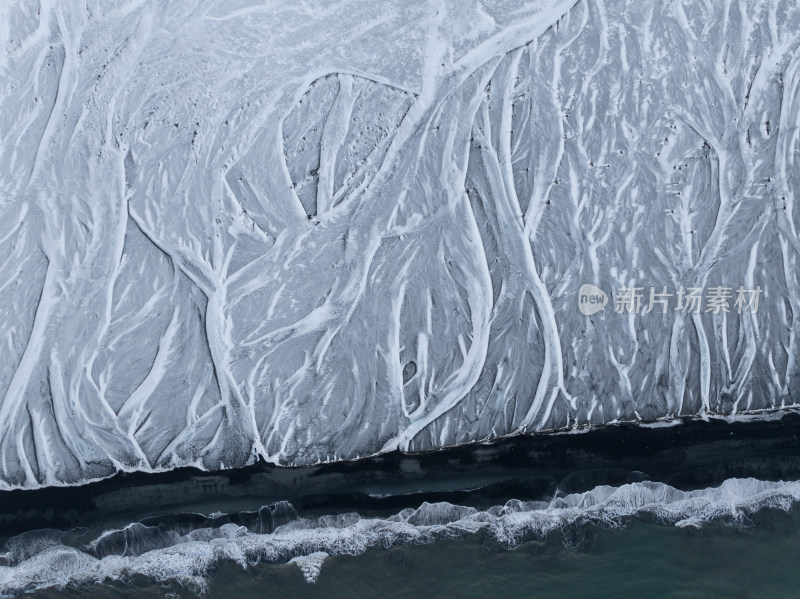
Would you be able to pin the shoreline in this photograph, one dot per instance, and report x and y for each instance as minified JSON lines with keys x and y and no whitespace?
{"x":687,"y":454}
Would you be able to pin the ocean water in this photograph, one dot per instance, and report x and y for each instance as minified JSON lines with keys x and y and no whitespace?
{"x":700,"y":509}
{"x":739,"y":539}
{"x":753,"y":558}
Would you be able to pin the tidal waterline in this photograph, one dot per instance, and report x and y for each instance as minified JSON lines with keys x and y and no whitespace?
{"x":641,"y":559}
{"x":688,"y":454}
{"x":642,"y":548}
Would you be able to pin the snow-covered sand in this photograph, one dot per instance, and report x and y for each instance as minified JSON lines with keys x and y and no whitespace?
{"x":313,"y":232}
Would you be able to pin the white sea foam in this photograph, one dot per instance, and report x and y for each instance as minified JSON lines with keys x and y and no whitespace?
{"x":310,"y":565}
{"x":307,"y":542}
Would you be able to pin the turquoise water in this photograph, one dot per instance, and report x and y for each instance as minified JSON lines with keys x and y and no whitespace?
{"x":643,"y":559}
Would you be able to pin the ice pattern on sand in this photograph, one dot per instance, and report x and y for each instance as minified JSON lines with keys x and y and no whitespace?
{"x":309,"y":233}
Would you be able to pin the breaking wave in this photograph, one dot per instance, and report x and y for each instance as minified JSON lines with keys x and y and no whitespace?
{"x":188,"y":551}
